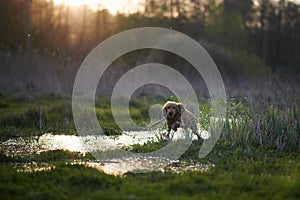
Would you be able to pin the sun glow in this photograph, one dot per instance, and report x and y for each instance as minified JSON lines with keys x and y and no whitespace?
{"x":113,"y":6}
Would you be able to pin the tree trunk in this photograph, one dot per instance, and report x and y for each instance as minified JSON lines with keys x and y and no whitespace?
{"x":28,"y":29}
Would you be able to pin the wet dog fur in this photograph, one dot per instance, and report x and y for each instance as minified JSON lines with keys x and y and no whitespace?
{"x":177,"y":116}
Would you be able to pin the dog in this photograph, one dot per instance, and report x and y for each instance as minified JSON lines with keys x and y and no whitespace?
{"x":177,"y":116}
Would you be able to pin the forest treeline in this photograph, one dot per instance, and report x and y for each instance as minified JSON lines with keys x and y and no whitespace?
{"x":249,"y":35}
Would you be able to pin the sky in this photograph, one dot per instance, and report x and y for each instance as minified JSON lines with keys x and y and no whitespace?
{"x":115,"y":6}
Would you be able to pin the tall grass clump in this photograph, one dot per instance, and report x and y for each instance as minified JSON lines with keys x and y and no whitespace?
{"x":260,"y":122}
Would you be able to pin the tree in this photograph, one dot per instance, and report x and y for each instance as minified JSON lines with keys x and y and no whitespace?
{"x":12,"y":25}
{"x":28,"y":28}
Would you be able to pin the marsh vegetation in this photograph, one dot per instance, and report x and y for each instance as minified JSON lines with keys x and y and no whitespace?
{"x":256,"y":156}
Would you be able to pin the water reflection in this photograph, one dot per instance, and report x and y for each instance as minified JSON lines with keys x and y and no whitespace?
{"x":121,"y":167}
{"x":83,"y":144}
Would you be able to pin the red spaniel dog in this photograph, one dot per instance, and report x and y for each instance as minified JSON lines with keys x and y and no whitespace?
{"x":177,"y":116}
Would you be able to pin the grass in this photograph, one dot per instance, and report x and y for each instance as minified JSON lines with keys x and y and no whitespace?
{"x":238,"y":174}
{"x":249,"y":121}
{"x":256,"y":157}
{"x":259,"y":122}
{"x":29,"y":115}
{"x":25,"y":115}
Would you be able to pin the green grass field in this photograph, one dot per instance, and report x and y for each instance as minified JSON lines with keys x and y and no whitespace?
{"x":256,"y":157}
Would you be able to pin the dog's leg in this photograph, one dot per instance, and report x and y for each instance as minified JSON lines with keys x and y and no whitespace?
{"x":169,"y":125}
{"x":195,"y":130}
{"x":175,"y":126}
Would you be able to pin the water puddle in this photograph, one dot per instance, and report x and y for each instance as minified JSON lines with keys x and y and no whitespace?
{"x":83,"y":144}
{"x":119,"y":168}
{"x":146,"y":165}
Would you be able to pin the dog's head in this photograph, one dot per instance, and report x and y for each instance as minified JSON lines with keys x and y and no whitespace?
{"x":172,"y":110}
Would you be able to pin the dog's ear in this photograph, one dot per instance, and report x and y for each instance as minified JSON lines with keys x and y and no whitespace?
{"x":164,"y":111}
{"x":180,"y":108}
